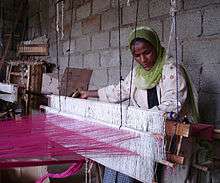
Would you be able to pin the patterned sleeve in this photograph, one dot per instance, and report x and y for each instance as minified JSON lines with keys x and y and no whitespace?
{"x":168,"y":89}
{"x":112,"y":93}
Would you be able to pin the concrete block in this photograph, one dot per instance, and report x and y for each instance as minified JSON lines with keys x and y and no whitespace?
{"x":83,"y":44}
{"x":67,"y":16}
{"x":114,"y":74}
{"x":172,"y":49}
{"x":191,"y":4}
{"x":129,"y":12}
{"x":156,"y":25}
{"x":122,"y":3}
{"x":53,"y":49}
{"x":201,"y":51}
{"x":211,"y":24}
{"x":99,"y":78}
{"x":110,"y":58}
{"x":210,"y":78}
{"x":161,"y":7}
{"x":77,"y":30}
{"x":193,"y":71}
{"x":91,"y":24}
{"x":91,"y":60}
{"x":124,"y":37}
{"x":76,"y":61}
{"x":66,"y":47}
{"x":209,"y":105}
{"x":100,"y":40}
{"x":83,"y":11}
{"x":100,"y":5}
{"x":63,"y":61}
{"x":126,"y":57}
{"x":109,"y":19}
{"x":188,"y":25}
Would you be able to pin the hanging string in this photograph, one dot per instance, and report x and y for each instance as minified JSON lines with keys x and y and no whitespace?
{"x":120,"y":62}
{"x":69,"y":48}
{"x":62,"y":14}
{"x":128,"y":3}
{"x":173,"y":14}
{"x":132,"y":64}
{"x":57,"y":49}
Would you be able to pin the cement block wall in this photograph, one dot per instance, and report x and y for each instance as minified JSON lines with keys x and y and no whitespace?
{"x":94,"y":41}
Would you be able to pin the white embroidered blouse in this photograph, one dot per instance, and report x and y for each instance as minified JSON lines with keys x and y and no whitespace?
{"x":166,"y":91}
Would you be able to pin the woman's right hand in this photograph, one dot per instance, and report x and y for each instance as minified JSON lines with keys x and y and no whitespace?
{"x":89,"y":93}
{"x":83,"y":94}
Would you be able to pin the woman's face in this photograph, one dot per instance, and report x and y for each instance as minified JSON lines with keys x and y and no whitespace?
{"x":144,"y":53}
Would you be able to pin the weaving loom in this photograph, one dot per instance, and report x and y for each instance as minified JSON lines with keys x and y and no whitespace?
{"x":136,"y":120}
{"x":73,"y":130}
{"x":92,"y":132}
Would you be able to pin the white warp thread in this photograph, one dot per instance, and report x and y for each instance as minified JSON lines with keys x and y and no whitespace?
{"x":143,"y":122}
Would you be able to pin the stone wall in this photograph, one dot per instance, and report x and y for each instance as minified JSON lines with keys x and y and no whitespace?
{"x":94,"y":41}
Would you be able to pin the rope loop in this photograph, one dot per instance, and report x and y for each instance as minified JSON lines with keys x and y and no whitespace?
{"x":173,"y":8}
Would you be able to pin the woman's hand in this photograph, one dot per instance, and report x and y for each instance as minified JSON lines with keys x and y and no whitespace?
{"x":90,"y":93}
{"x":83,"y":94}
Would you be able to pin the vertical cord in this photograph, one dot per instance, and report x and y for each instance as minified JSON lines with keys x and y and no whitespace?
{"x":57,"y":49}
{"x":132,"y":64}
{"x":120,"y":63}
{"x":62,"y":14}
{"x":86,"y":171}
{"x":69,"y":48}
{"x":173,"y":2}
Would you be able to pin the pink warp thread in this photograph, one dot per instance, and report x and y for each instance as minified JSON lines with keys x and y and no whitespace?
{"x":72,"y":170}
{"x":48,"y":137}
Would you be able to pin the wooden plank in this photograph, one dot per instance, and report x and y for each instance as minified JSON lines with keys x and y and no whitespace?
{"x":183,"y":129}
{"x":170,"y":128}
{"x":73,"y":79}
{"x":174,"y":128}
{"x":33,"y":49}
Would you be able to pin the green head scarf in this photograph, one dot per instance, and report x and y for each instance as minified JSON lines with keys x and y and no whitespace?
{"x":148,"y":79}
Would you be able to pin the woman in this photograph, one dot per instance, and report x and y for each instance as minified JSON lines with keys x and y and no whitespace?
{"x":153,"y":84}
